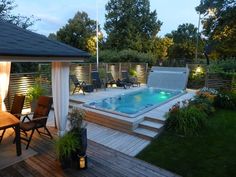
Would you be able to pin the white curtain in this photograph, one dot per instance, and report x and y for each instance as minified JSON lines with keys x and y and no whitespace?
{"x":5,"y":70}
{"x":60,"y":92}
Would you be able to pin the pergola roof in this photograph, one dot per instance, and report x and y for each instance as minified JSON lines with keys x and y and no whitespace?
{"x":17,"y":44}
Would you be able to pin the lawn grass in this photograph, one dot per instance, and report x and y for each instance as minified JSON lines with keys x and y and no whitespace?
{"x":210,"y":154}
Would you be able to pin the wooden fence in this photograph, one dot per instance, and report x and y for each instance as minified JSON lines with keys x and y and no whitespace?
{"x":20,"y":82}
{"x":218,"y":82}
{"x":83,"y":70}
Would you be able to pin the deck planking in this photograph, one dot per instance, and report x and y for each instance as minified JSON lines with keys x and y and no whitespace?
{"x":102,"y":162}
{"x":120,"y":141}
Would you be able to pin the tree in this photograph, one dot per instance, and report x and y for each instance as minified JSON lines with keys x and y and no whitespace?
{"x":184,"y":39}
{"x":6,"y":8}
{"x":160,"y":47}
{"x":220,"y":25}
{"x":130,"y":25}
{"x":78,"y":32}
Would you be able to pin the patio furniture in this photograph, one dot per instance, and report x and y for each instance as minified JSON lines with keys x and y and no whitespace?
{"x":96,"y":81}
{"x":132,"y":80}
{"x":80,"y":85}
{"x":7,"y":120}
{"x":124,"y":84}
{"x":110,"y":80}
{"x":38,"y":120}
{"x":16,"y":108}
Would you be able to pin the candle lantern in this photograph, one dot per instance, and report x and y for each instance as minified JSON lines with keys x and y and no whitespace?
{"x":82,"y":162}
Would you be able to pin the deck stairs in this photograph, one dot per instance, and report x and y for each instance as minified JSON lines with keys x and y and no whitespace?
{"x":150,"y":127}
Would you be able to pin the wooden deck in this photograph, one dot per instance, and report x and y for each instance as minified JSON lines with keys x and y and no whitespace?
{"x":120,"y":141}
{"x":102,"y":162}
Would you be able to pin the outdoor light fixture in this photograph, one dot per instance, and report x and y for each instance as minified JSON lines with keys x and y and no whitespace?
{"x":199,"y":69}
{"x":83,"y":162}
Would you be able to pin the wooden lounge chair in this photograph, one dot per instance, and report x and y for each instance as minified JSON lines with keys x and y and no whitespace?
{"x":96,"y":81}
{"x":78,"y":85}
{"x":132,"y":80}
{"x":38,"y":120}
{"x":16,"y":108}
{"x":110,"y":80}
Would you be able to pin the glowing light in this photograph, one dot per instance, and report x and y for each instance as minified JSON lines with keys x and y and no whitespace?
{"x":198,"y":70}
{"x":162,"y":92}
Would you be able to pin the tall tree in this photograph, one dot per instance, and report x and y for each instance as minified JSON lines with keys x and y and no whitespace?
{"x":160,"y":46}
{"x":184,"y":39}
{"x":219,"y":25}
{"x":78,"y":32}
{"x":6,"y":13}
{"x":130,"y":24}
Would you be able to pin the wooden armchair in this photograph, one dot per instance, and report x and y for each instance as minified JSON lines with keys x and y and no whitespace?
{"x":38,"y":120}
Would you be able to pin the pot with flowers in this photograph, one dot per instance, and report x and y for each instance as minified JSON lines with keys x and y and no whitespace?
{"x":71,"y":148}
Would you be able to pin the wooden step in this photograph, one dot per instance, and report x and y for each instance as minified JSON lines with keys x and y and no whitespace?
{"x":153,"y":126}
{"x":155,"y":119}
{"x":145,"y":133}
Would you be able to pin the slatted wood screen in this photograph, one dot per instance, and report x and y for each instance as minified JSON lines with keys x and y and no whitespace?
{"x":19,"y":84}
{"x":217,"y":82}
{"x":83,"y":70}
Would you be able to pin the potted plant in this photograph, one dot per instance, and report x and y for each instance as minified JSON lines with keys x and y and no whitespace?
{"x":77,"y":126}
{"x":73,"y":145}
{"x":65,"y":146}
{"x":34,"y":92}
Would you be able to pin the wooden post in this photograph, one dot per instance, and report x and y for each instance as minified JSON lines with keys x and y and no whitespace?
{"x":90,"y":70}
{"x":146,"y":72}
{"x":120,"y":70}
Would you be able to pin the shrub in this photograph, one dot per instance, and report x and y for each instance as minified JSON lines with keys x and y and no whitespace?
{"x":225,"y":100}
{"x":186,"y":121}
{"x":66,"y":145}
{"x":204,"y":102}
{"x":126,"y":56}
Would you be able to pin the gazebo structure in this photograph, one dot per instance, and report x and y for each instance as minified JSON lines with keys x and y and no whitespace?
{"x":19,"y":45}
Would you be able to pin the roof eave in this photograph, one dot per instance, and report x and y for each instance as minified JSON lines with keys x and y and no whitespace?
{"x":42,"y":58}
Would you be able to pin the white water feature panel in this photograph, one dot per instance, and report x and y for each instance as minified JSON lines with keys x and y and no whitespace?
{"x":173,"y":78}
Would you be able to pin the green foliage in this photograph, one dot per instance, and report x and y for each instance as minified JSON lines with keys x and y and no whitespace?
{"x":160,"y":46}
{"x":186,"y":121}
{"x":184,"y":39}
{"x":197,"y":77}
{"x":24,"y":67}
{"x":130,"y":24}
{"x":66,"y":145}
{"x":102,"y":73}
{"x":219,"y":25}
{"x":224,"y":100}
{"x":6,"y":13}
{"x":133,"y":72}
{"x":221,"y":66}
{"x":126,"y":56}
{"x":203,"y":103}
{"x":78,"y":31}
{"x":76,"y":117}
{"x":35,"y":91}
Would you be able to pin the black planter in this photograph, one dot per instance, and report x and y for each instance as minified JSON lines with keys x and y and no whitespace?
{"x":81,"y":151}
{"x":74,"y":160}
{"x":83,"y":141}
